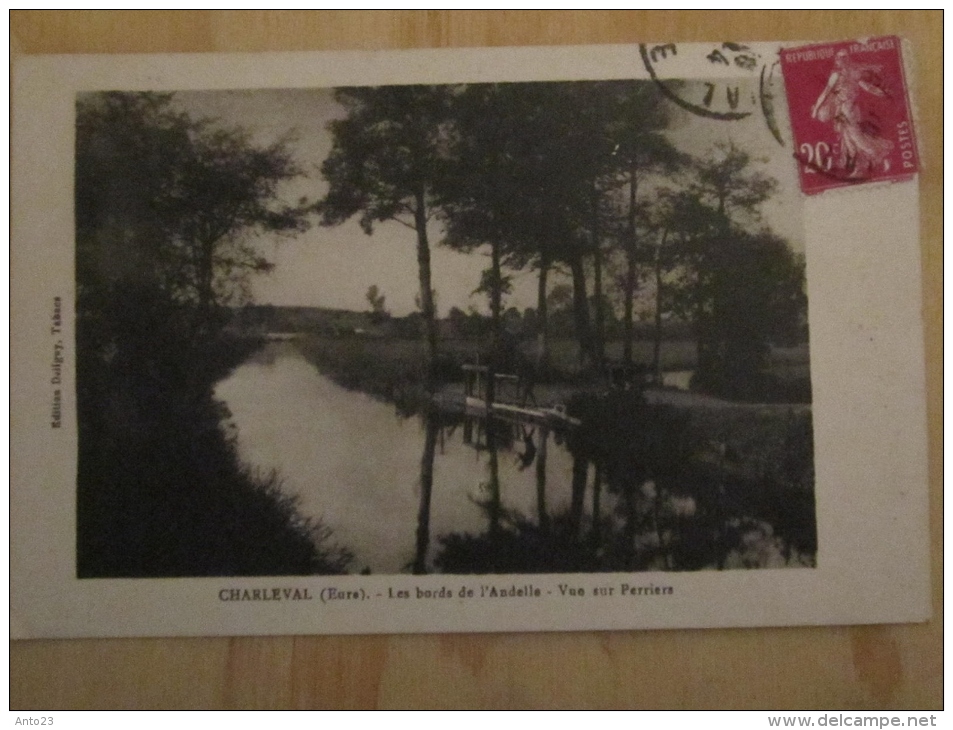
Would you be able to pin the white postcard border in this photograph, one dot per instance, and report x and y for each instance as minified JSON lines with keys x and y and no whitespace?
{"x":867,"y":371}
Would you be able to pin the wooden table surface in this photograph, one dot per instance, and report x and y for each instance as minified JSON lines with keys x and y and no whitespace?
{"x":868,"y":667}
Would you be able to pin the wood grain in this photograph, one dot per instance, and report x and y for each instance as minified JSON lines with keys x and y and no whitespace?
{"x":870,"y":667}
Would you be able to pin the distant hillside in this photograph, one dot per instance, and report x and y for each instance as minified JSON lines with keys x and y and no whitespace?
{"x":261,"y":319}
{"x":269,"y":318}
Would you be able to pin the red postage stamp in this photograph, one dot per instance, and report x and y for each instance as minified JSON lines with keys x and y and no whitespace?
{"x":850,"y":113}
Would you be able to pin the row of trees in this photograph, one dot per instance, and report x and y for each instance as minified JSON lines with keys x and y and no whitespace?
{"x":578,"y":177}
{"x":572,"y":176}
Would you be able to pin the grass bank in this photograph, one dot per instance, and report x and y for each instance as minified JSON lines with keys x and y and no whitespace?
{"x":393,"y":369}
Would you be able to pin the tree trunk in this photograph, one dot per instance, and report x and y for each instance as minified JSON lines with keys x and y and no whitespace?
{"x":599,"y":328}
{"x":496,"y":295}
{"x":630,"y":485}
{"x":206,"y":294}
{"x":599,"y":331}
{"x":542,"y":316}
{"x":630,"y":272}
{"x":706,"y":344}
{"x":426,"y":288}
{"x":657,"y":350}
{"x":628,"y":328}
{"x":710,"y":371}
{"x":581,"y":308}
{"x":596,"y":534}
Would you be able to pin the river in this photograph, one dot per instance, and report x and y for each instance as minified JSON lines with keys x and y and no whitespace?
{"x":356,"y":465}
{"x":444,"y":493}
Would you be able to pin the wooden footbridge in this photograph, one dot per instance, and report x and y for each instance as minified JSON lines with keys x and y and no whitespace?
{"x":508,"y":396}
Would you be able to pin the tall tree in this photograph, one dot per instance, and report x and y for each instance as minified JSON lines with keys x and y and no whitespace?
{"x":675,"y":220}
{"x":510,"y":183}
{"x":128,"y":150}
{"x":528,"y":158}
{"x":731,"y":193}
{"x":612,"y":139}
{"x":389,"y":155}
{"x":589,"y":159}
{"x":638,"y":121}
{"x":556,"y":201}
{"x":481,"y":200}
{"x":744,"y":285}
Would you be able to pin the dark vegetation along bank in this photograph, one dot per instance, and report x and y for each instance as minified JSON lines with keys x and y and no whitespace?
{"x":655,"y":488}
{"x":162,"y":203}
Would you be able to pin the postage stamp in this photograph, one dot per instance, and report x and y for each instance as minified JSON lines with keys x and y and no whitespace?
{"x":850,"y":113}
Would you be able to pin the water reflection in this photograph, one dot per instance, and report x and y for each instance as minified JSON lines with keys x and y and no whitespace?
{"x":432,"y":428}
{"x":542,"y":516}
{"x":464,"y":493}
{"x":365,"y":471}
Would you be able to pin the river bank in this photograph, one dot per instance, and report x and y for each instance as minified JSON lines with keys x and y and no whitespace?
{"x":393,"y":371}
{"x":161,"y":491}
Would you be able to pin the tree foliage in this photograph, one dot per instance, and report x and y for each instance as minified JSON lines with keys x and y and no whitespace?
{"x":172,"y":204}
{"x":639,"y":120}
{"x":741,"y":286}
{"x":536,"y":168}
{"x":567,"y":176}
{"x":389,"y":155}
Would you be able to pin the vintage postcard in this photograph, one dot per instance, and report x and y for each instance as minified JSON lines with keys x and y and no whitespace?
{"x":524,"y":339}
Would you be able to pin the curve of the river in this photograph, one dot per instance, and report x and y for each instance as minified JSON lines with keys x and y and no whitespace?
{"x":355,"y":465}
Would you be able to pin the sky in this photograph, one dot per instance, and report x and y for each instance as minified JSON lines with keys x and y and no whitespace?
{"x":334,"y":267}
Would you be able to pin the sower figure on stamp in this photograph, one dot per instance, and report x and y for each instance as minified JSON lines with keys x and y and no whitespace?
{"x":863,"y":149}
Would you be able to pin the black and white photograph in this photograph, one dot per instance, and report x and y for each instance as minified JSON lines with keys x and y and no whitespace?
{"x":551,"y":327}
